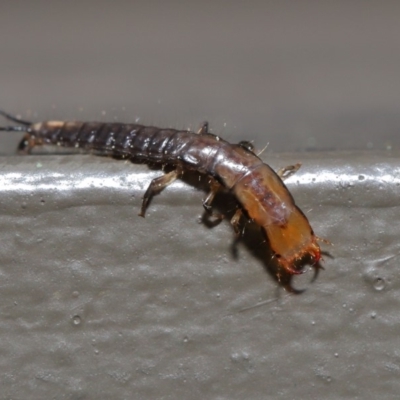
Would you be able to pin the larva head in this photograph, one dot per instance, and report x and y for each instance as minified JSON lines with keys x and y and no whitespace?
{"x":269,"y":204}
{"x":294,"y":243}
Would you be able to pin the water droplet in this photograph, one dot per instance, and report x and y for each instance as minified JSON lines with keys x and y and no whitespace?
{"x":185,"y":339}
{"x":361,"y":177}
{"x":76,"y":320}
{"x":336,"y":355}
{"x":373,"y":315}
{"x":379,"y":284}
{"x":75,"y":293}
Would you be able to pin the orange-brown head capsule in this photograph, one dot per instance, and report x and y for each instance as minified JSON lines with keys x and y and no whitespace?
{"x":269,"y":203}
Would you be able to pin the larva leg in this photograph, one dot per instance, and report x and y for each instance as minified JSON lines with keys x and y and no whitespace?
{"x":235,"y":221}
{"x":288,"y":171}
{"x":156,"y":185}
{"x":214,"y":188}
{"x":247,"y":145}
{"x":203,"y":129}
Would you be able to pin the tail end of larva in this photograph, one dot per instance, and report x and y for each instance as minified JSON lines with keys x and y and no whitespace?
{"x":22,"y":127}
{"x":15,"y":119}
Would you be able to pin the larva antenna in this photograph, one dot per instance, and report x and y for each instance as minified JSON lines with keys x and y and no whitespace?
{"x":14,"y":119}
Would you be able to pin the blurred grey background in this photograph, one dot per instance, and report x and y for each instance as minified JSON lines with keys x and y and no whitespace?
{"x":297,"y":75}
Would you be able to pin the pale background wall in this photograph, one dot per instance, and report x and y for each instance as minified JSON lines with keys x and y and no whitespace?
{"x":299,"y":75}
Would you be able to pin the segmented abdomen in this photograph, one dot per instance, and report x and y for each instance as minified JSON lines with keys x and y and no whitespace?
{"x":133,"y":140}
{"x":205,"y":153}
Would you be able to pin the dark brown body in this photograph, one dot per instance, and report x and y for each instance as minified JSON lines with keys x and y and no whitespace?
{"x":259,"y":190}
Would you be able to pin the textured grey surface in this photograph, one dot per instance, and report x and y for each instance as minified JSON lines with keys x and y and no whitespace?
{"x":97,"y":302}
